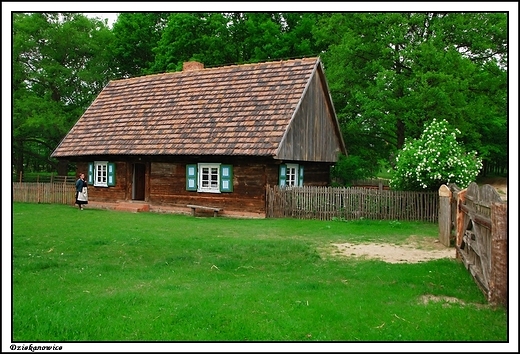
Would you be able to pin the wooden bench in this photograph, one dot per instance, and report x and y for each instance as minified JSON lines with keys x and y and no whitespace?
{"x":193,"y":207}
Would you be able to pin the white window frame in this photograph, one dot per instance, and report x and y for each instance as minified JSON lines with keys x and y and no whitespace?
{"x":99,"y":179}
{"x":200,"y":171}
{"x":291,"y":175}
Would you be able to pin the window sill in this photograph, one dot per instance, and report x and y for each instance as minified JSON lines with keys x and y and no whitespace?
{"x":208,"y":191}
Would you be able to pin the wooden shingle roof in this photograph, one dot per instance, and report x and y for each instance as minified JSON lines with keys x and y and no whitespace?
{"x":230,"y":110}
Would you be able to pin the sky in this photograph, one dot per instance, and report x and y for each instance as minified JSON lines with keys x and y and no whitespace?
{"x":111,"y":17}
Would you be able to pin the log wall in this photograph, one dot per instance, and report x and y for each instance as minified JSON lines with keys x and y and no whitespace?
{"x":165,"y":182}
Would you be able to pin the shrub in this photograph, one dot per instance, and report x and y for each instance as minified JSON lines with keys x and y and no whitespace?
{"x":434,"y":159}
{"x":348,"y":169}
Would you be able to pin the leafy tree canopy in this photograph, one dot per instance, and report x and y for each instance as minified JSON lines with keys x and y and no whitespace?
{"x":59,"y":66}
{"x":389,"y":73}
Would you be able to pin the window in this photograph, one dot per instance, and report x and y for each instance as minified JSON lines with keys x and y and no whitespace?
{"x":102,"y":174}
{"x":291,"y":175}
{"x":209,"y":177}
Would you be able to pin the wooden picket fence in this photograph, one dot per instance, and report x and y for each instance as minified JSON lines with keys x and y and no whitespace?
{"x":327,"y":203}
{"x":37,"y":192}
{"x":43,"y":178}
{"x":374,"y":183}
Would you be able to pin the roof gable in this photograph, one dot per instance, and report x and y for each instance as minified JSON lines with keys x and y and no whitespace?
{"x":313,"y":133}
{"x":232,"y":110}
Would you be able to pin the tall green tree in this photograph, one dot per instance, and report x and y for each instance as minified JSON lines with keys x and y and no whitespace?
{"x":135,"y":37}
{"x":258,"y":36}
{"x":193,"y":36}
{"x":390,"y":73}
{"x":298,"y":37}
{"x":231,"y":38}
{"x":59,"y":66}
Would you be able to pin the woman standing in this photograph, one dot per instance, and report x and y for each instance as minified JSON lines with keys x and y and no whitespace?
{"x":81,"y":191}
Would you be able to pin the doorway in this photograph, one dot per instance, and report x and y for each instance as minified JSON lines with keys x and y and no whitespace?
{"x":138,"y":181}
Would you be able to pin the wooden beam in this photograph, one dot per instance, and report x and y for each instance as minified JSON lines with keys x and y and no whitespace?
{"x":477,"y":218}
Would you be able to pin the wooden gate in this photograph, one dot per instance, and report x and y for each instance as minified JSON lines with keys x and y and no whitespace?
{"x":479,"y":217}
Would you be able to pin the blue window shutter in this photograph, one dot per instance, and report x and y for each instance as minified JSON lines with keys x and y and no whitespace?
{"x":300,"y":176}
{"x":283,"y":175}
{"x":111,"y":174}
{"x":90,"y":177}
{"x":191,"y":177}
{"x":226,"y":178}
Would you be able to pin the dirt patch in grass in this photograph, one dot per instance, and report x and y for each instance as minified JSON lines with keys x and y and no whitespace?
{"x":446,"y":301}
{"x":415,"y":249}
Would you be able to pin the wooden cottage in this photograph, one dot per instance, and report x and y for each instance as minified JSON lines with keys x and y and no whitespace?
{"x":211,"y":137}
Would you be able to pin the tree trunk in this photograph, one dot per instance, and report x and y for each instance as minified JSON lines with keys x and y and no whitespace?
{"x":400,"y":134}
{"x":18,"y":157}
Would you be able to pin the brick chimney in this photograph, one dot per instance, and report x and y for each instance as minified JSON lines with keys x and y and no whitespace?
{"x":192,"y":66}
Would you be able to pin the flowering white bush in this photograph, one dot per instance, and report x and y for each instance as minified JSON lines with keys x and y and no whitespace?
{"x":434,"y":159}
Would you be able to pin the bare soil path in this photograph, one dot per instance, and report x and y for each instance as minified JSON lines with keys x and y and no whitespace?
{"x":416,"y":248}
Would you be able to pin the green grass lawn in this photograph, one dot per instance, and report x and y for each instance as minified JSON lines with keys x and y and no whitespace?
{"x":98,"y":275}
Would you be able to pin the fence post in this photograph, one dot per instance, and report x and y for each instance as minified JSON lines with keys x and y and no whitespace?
{"x":444,"y":215}
{"x":498,"y":278}
{"x":459,"y":217}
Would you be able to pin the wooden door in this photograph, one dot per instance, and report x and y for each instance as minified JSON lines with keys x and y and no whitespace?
{"x":138,"y":181}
